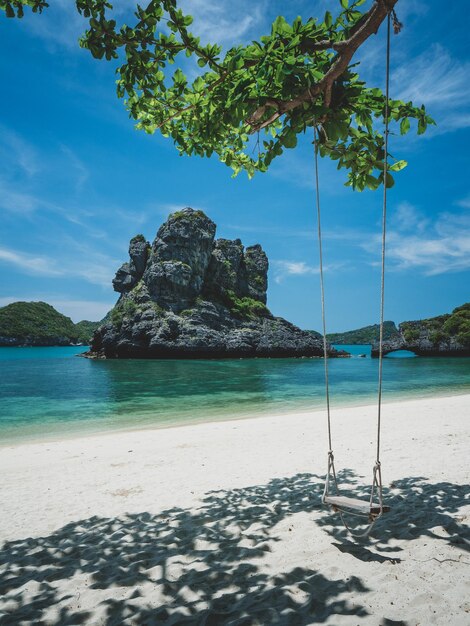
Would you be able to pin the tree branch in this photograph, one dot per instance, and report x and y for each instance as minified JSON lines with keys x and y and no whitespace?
{"x":368,"y":26}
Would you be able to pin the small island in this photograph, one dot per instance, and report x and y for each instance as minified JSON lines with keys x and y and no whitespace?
{"x":40,"y":324}
{"x":444,"y":335}
{"x":189,"y":295}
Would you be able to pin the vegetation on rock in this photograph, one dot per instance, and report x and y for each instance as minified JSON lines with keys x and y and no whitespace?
{"x":245,"y":307}
{"x":441,"y":328}
{"x":124,"y":308}
{"x":443,"y":335}
{"x":138,"y":238}
{"x":86,"y":329}
{"x":178,"y":215}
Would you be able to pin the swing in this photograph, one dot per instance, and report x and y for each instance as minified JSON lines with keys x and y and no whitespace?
{"x":372,"y":508}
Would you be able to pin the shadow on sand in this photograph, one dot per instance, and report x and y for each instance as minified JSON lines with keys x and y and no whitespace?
{"x":200,"y":566}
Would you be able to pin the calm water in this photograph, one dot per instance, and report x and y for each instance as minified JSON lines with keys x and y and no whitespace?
{"x":48,"y":392}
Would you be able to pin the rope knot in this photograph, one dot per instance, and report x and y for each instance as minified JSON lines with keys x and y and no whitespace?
{"x":397,"y":25}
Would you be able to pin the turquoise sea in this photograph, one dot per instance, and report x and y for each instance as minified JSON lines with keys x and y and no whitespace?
{"x":50,"y":392}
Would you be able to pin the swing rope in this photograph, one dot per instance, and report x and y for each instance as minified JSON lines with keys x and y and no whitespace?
{"x":384,"y":232}
{"x":377,"y":473}
{"x":322,"y":287}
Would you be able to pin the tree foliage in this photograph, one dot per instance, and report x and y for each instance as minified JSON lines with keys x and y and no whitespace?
{"x":250,"y":103}
{"x":39,"y":322}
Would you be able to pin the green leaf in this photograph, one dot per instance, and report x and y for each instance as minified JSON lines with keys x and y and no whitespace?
{"x":290,"y":139}
{"x":390,"y":181}
{"x":179,"y":78}
{"x":199,"y":84}
{"x":372,"y":182}
{"x":422,"y":125}
{"x":404,"y":126}
{"x":281,"y":27}
{"x":345,"y":4}
{"x":328,"y":19}
{"x":398,"y":166}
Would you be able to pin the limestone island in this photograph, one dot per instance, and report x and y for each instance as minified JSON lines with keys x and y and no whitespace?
{"x":189,"y":295}
{"x":444,"y":335}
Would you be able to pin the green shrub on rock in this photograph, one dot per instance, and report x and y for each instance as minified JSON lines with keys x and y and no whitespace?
{"x":245,"y":307}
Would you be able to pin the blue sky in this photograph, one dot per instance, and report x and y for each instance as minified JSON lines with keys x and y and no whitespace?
{"x":77,"y":181}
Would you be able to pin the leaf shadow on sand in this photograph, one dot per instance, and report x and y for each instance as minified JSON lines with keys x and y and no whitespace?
{"x":418,"y":508}
{"x":186,"y":566}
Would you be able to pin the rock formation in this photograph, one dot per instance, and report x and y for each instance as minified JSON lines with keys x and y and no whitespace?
{"x":190,"y":296}
{"x":444,"y":335}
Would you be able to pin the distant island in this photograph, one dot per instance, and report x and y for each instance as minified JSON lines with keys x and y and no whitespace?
{"x":189,"y":295}
{"x":365,"y":335}
{"x":39,"y":324}
{"x":444,"y":335}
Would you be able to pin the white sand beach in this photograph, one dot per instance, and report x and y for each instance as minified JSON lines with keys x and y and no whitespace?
{"x":222,"y":523}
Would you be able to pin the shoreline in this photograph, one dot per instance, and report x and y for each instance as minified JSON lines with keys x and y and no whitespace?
{"x":225,"y":519}
{"x":220,"y":419}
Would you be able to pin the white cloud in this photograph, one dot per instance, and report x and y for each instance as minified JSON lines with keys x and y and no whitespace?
{"x":81,"y":171}
{"x":432,"y":248}
{"x":19,"y":176}
{"x":294,"y":170}
{"x":17,"y":153}
{"x":433,"y":77}
{"x":296,"y":167}
{"x":17,"y":201}
{"x":61,"y":25}
{"x":283,"y":268}
{"x":464,"y":202}
{"x":439,"y":81}
{"x":224,"y":22}
{"x":93,"y":267}
{"x":30,"y":264}
{"x":23,"y":203}
{"x":434,"y":255}
{"x":27,"y":204}
{"x":215,"y":21}
{"x":451,"y":121}
{"x":407,"y":217}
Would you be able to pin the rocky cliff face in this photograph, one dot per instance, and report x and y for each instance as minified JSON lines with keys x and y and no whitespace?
{"x":444,"y":335}
{"x":190,"y":296}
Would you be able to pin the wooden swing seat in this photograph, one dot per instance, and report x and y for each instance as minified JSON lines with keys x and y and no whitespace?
{"x":354,"y":504}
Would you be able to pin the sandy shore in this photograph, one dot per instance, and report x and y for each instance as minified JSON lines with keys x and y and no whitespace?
{"x":222,"y":523}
